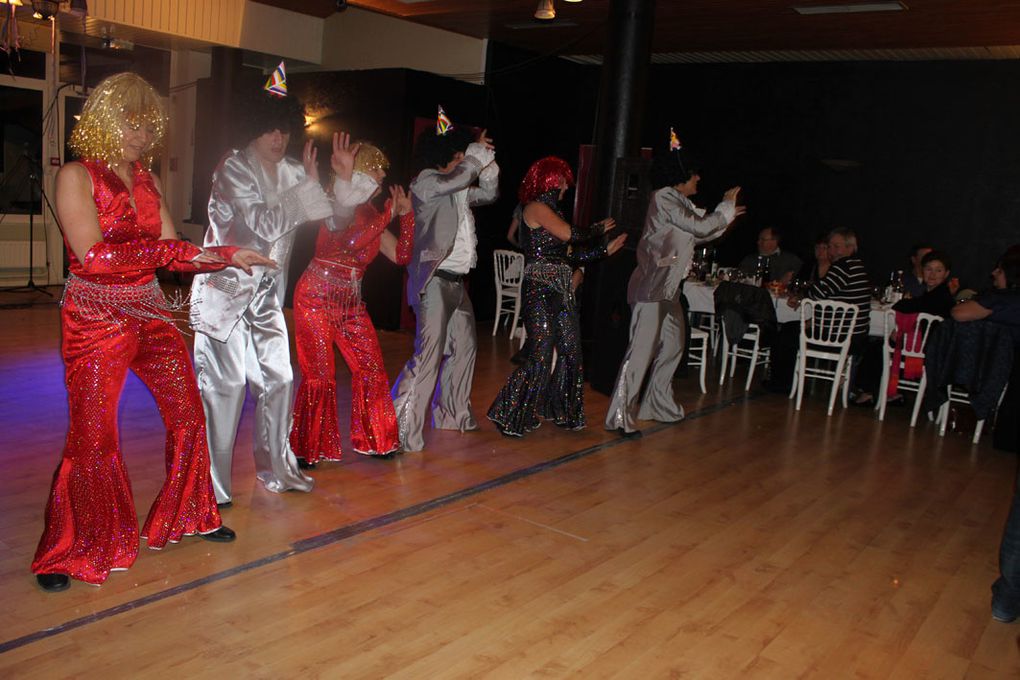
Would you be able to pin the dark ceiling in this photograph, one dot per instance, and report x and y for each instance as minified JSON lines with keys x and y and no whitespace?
{"x":684,"y":26}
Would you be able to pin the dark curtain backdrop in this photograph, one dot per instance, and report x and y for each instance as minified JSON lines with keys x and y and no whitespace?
{"x":924,"y":151}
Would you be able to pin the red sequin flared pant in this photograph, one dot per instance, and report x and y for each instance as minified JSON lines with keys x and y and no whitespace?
{"x":91,"y":523}
{"x":327,"y":313}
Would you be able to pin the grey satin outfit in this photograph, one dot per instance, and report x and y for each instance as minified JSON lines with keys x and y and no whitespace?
{"x":241,"y":334}
{"x":445,"y":342}
{"x":673,"y":226}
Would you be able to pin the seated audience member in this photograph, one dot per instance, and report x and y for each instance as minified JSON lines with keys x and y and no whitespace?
{"x":845,"y":281}
{"x":783,"y":266}
{"x":820,"y":266}
{"x":913,"y":278}
{"x":936,"y":299}
{"x":1002,"y":305}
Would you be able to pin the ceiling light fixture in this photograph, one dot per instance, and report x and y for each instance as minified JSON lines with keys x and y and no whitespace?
{"x":855,"y":8}
{"x":545,"y":10}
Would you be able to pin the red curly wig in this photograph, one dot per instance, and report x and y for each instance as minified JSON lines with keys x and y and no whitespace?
{"x":544,"y":175}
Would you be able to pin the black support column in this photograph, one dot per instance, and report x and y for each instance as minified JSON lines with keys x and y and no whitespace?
{"x":606,"y":315}
{"x":213,"y":110}
{"x":622,"y":91}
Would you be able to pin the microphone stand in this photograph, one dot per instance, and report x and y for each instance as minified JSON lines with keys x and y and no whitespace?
{"x":34,"y":184}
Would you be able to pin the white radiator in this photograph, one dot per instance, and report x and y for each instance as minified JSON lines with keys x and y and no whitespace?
{"x":14,"y":258}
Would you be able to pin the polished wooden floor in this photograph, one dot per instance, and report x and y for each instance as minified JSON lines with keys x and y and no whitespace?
{"x":750,"y":541}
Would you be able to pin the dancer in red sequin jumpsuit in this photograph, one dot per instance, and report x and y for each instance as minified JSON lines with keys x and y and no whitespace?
{"x":328,"y":310}
{"x":118,"y":232}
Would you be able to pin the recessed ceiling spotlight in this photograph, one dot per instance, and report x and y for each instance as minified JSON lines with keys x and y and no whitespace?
{"x":855,"y":8}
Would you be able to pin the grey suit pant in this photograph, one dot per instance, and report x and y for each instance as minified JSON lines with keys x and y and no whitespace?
{"x":256,"y":354}
{"x":656,"y":345}
{"x":442,"y":367}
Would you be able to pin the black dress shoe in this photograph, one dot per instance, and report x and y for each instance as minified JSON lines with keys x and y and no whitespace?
{"x":636,"y":434}
{"x":225,"y":504}
{"x":53,"y":583}
{"x":304,"y":464}
{"x":222,"y":535}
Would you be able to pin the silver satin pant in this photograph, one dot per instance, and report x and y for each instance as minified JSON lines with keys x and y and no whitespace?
{"x":444,"y":352}
{"x":656,"y":341}
{"x":256,"y":354}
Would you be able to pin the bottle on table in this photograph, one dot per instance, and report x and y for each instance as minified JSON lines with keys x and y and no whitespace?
{"x":894,"y":289}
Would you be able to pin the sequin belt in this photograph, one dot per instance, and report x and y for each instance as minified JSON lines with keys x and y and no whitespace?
{"x":116,"y":302}
{"x":341,"y":285}
{"x":555,"y":275}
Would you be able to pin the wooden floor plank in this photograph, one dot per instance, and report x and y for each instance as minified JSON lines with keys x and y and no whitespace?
{"x":751,"y":541}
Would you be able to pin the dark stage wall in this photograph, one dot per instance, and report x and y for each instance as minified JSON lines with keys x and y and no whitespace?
{"x":934,"y":151}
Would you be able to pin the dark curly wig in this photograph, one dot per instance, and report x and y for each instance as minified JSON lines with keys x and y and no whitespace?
{"x":258,"y":112}
{"x":670,"y":168}
{"x":435,"y":151}
{"x":544,"y":176}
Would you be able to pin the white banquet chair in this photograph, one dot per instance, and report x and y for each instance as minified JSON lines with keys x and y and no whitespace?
{"x":826,"y":329}
{"x":509,"y":268}
{"x":912,"y":349}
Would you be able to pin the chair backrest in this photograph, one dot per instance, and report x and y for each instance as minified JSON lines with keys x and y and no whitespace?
{"x":509,"y":266}
{"x":827,"y":323}
{"x":915,"y":344}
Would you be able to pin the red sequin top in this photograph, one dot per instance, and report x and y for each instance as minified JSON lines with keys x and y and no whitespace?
{"x":119,"y":221}
{"x":357,"y":246}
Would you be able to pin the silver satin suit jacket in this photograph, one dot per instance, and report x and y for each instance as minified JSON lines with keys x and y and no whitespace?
{"x":247,"y":211}
{"x":436,"y":217}
{"x":673,"y":226}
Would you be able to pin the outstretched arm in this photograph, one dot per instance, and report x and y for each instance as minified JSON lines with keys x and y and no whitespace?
{"x":702,"y":227}
{"x":235,"y":185}
{"x":79,"y":221}
{"x":546,"y":218}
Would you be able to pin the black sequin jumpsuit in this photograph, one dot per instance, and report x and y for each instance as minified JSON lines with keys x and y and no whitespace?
{"x":537,"y":389}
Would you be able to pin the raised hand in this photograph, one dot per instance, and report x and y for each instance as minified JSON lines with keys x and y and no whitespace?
{"x":309,"y":158}
{"x":731,"y":195}
{"x":246,"y":258}
{"x":608,"y":225}
{"x":344,"y":153}
{"x":401,"y":200}
{"x":485,"y":140}
{"x":616,"y":244}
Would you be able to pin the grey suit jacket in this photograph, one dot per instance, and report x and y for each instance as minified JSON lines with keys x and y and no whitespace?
{"x":673,"y":226}
{"x":247,"y":211}
{"x":436,"y":218}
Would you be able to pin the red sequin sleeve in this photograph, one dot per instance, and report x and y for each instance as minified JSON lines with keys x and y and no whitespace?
{"x":138,"y":255}
{"x":190,"y":267}
{"x":368,"y":225}
{"x":405,"y":243}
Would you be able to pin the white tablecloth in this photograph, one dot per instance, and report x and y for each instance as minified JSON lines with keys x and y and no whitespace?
{"x":700,"y":296}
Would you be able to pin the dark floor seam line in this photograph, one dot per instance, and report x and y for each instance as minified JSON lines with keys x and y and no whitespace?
{"x":345,"y":532}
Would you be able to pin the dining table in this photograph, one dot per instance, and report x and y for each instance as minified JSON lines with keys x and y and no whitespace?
{"x":701,"y":298}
